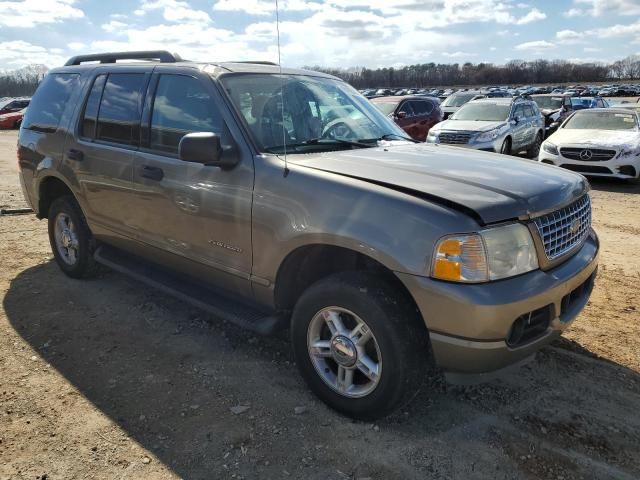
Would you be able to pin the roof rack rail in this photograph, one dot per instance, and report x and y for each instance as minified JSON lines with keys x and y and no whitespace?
{"x":257,"y":62}
{"x":162,"y":56}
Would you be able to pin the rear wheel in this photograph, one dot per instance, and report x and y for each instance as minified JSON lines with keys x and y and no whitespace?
{"x":358,"y":346}
{"x":71,"y":240}
{"x":534,"y":151}
{"x":506,"y":147}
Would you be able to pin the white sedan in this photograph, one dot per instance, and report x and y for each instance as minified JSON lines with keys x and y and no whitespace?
{"x":599,"y":142}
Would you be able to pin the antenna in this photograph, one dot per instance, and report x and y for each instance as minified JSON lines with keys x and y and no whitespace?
{"x":284,"y":137}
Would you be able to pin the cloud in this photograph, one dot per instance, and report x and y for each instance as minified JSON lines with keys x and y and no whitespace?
{"x":113,"y":26}
{"x":597,"y":8}
{"x":459,"y":54}
{"x":30,"y":13}
{"x":265,"y":7}
{"x":533,"y":16}
{"x":536,"y":46}
{"x":173,"y":11}
{"x":568,"y":35}
{"x":20,"y":53}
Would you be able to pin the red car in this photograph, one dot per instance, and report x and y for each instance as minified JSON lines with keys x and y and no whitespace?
{"x":414,"y":114}
{"x":12,"y":119}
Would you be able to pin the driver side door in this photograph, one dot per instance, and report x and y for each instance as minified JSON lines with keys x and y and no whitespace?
{"x":197,"y":217}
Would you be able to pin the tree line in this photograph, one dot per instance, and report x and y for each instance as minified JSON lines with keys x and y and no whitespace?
{"x":23,"y":86}
{"x":514,"y":72}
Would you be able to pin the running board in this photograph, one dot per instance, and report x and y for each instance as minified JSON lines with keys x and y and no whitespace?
{"x":191,"y":291}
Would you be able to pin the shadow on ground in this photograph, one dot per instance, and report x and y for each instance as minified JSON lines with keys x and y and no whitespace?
{"x":168,"y":377}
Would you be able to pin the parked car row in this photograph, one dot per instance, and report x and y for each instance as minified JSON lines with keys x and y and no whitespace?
{"x":11,"y":111}
{"x":586,"y":134}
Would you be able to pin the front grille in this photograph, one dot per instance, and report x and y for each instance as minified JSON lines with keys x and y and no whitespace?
{"x":588,"y":154}
{"x":564,"y":229}
{"x":455,"y":138}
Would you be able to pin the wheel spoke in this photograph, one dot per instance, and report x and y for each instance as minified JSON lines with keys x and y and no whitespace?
{"x":344,"y":378}
{"x":60,"y":223}
{"x":321,"y":348}
{"x":368,"y":367}
{"x":334,"y":322}
{"x":360,"y":335}
{"x":72,"y":254}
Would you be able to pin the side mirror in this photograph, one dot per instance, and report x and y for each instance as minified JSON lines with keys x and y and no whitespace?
{"x":205,"y":148}
{"x":401,"y":114}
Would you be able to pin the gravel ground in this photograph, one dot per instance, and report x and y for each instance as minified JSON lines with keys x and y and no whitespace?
{"x":109,"y":379}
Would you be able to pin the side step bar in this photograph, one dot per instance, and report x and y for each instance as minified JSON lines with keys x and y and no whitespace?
{"x":191,"y":291}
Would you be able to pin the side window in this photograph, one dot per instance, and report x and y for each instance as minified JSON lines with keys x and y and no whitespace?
{"x":420,"y":108}
{"x":528,"y":111}
{"x":49,"y":102}
{"x":90,"y":117}
{"x":121,"y":108}
{"x":406,"y":108}
{"x":518,"y":112}
{"x":182,"y":105}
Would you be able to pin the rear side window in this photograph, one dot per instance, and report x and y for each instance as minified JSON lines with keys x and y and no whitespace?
{"x":90,"y":117}
{"x":49,"y":102}
{"x":422,"y":107}
{"x":182,"y":105}
{"x":528,"y":111}
{"x":121,"y":108}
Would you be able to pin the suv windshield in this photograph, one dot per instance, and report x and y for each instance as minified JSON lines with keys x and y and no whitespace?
{"x":602,"y":121}
{"x":483,"y":111}
{"x":551,"y":103}
{"x":317,"y":113}
{"x":458,"y":99}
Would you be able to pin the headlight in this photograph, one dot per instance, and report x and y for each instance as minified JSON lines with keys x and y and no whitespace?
{"x":491,"y":254}
{"x":550,"y":148}
{"x":432,"y":137}
{"x":488,"y":136}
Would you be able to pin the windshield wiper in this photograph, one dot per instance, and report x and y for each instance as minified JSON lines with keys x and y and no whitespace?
{"x":389,"y":136}
{"x":320,"y":141}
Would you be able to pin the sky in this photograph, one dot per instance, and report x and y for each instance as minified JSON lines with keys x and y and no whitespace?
{"x":331,"y":33}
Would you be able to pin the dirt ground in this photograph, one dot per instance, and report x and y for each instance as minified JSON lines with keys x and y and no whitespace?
{"x":109,"y":379}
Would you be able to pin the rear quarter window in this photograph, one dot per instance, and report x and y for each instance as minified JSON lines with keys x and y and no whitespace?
{"x":49,"y":102}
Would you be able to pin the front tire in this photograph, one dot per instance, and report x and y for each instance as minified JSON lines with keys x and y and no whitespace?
{"x":534,"y":151}
{"x":358,"y":345}
{"x":71,"y":240}
{"x":505,"y":149}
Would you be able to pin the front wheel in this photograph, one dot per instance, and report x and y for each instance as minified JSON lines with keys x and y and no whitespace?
{"x":534,"y":151}
{"x":358,"y":346}
{"x":505,"y":149}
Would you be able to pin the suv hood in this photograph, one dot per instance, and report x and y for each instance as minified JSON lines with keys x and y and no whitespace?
{"x":468,"y":125}
{"x":489,"y":186}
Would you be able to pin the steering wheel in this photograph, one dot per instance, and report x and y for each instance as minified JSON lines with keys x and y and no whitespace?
{"x":337,"y":129}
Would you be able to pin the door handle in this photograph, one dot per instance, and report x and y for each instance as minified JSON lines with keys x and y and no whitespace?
{"x":152,"y":173}
{"x":76,"y":155}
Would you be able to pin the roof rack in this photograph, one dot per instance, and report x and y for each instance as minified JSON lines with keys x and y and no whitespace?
{"x":258,"y":62}
{"x":162,"y":56}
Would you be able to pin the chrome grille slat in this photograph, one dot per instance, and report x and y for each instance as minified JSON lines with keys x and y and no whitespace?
{"x":555,"y":228}
{"x":454,"y":138}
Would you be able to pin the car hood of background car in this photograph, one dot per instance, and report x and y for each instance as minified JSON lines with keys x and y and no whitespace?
{"x":468,"y":125}
{"x":495,"y":187}
{"x":596,"y":138}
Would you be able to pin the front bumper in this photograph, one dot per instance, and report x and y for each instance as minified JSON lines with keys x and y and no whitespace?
{"x":617,"y":167}
{"x":469,"y":324}
{"x":490,"y":146}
